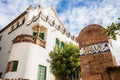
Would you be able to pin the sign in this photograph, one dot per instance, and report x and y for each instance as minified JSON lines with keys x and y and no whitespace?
{"x":95,"y":48}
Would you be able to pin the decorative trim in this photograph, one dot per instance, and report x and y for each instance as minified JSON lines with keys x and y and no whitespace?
{"x":30,"y":39}
{"x":95,"y":48}
{"x":16,"y":25}
{"x":14,"y":21}
{"x":51,"y":23}
{"x":29,"y":22}
{"x":35,"y":18}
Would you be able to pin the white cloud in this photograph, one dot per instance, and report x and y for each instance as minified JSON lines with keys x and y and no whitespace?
{"x":103,"y":13}
{"x":75,"y":17}
{"x":10,"y":9}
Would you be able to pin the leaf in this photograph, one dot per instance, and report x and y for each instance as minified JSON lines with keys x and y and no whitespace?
{"x":64,"y":61}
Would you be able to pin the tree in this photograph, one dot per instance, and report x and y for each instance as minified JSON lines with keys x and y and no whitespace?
{"x":64,"y":61}
{"x":111,"y":30}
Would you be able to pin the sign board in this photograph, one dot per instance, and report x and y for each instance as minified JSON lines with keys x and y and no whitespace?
{"x":95,"y":48}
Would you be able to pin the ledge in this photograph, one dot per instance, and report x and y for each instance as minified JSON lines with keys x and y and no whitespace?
{"x":30,"y":39}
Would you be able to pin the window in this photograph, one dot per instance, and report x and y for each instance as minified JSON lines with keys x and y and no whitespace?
{"x":0,"y":74}
{"x":0,"y":48}
{"x":17,"y":24}
{"x":75,"y":75}
{"x":57,"y":42}
{"x":34,"y":33}
{"x":41,"y":72}
{"x":42,"y":35}
{"x":62,"y":45}
{"x":0,"y":37}
{"x":23,"y":21}
{"x":12,"y":66}
{"x":12,"y":28}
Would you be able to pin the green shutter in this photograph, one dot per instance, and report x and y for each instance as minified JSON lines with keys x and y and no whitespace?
{"x":14,"y":66}
{"x":42,"y":36}
{"x":41,"y":72}
{"x":57,"y":42}
{"x":34,"y":33}
{"x":62,"y":45}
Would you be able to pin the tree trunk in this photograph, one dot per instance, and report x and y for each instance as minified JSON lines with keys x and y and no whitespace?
{"x":65,"y":78}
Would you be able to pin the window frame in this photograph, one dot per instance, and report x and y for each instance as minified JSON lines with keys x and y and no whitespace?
{"x":42,"y":35}
{"x":10,"y":66}
{"x":62,"y":45}
{"x":34,"y":33}
{"x":41,"y":66}
{"x":14,"y":66}
{"x":57,"y":42}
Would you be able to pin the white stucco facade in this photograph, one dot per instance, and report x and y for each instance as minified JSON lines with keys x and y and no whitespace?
{"x":30,"y":55}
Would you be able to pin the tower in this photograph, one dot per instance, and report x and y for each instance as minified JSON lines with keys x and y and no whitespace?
{"x":95,"y":53}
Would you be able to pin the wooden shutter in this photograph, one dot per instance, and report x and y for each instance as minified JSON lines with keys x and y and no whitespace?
{"x":34,"y":33}
{"x":42,"y":36}
{"x":57,"y":42}
{"x":41,"y":72}
{"x":62,"y":45}
{"x":14,"y":66}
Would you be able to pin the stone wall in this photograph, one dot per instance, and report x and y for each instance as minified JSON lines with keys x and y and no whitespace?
{"x":114,"y":72}
{"x":94,"y":66}
{"x":98,"y":56}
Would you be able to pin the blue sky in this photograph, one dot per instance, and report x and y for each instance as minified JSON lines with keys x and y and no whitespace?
{"x":75,"y":14}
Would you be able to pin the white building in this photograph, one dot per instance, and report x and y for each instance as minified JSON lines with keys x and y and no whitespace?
{"x":23,"y":52}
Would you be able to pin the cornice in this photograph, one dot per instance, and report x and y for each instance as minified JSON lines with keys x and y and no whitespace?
{"x":11,"y":23}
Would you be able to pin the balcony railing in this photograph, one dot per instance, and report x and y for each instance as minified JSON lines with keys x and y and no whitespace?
{"x":30,"y":39}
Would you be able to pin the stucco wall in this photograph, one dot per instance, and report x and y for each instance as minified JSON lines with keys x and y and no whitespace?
{"x":30,"y":55}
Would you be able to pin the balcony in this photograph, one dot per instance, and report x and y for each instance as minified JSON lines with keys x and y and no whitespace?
{"x":29,"y":39}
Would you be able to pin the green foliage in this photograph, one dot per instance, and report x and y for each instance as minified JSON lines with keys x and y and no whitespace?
{"x":111,"y":30}
{"x":64,"y":61}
